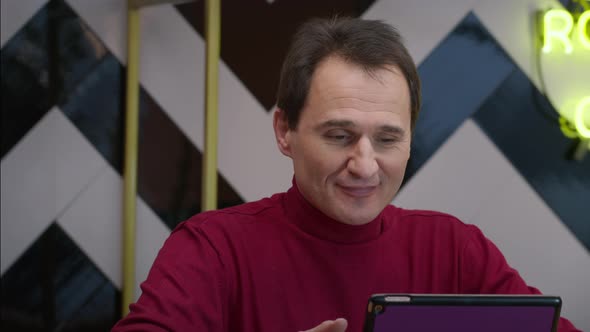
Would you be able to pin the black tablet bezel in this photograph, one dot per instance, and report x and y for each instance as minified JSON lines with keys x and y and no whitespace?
{"x":400,"y":299}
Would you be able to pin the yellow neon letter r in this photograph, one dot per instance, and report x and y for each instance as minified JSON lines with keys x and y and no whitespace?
{"x":557,"y":24}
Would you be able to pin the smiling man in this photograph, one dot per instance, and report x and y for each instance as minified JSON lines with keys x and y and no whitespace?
{"x":348,"y":100}
{"x":352,"y":141}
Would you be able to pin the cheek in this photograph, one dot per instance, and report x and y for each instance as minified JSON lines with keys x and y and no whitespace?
{"x":395,"y":167}
{"x":320,"y":164}
{"x":316,"y":156}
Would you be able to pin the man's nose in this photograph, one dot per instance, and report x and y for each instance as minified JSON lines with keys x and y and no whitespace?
{"x":362,"y":162}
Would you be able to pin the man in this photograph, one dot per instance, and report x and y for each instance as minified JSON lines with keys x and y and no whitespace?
{"x":348,"y":100}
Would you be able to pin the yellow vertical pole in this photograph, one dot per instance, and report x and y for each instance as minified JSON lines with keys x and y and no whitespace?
{"x":212,"y":36}
{"x":130,"y":161}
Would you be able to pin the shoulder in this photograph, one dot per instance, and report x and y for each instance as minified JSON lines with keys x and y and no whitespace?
{"x":429,"y":222}
{"x":236,"y":218}
{"x":423,"y":217}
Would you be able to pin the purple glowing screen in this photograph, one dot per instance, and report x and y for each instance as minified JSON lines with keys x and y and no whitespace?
{"x":425,"y":318}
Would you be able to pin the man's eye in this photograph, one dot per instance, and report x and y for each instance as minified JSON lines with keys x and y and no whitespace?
{"x":387,"y":140}
{"x":338,"y":136}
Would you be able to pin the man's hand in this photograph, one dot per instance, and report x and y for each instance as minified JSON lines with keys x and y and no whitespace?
{"x":338,"y":325}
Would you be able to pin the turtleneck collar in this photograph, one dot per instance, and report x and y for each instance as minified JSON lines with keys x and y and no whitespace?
{"x":314,"y":222}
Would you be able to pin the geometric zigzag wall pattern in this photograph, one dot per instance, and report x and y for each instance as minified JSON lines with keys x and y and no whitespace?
{"x":488,"y":87}
{"x":56,"y":60}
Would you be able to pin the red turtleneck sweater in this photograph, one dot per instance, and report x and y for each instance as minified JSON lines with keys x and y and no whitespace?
{"x":279,"y":264}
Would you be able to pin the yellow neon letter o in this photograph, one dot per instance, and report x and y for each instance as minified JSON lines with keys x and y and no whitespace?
{"x":583,"y":105}
{"x":582,"y":23}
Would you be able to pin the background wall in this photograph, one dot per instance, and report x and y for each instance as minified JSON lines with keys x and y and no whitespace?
{"x":487,"y":147}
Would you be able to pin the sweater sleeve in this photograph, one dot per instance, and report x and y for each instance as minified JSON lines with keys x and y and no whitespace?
{"x":485,"y":271}
{"x":184,"y":290}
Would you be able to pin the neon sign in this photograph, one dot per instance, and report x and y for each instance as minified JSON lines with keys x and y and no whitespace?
{"x":583,"y":106}
{"x":562,"y":34}
{"x":557,"y":27}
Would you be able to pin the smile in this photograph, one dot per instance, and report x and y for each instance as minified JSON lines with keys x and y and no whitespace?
{"x":358,"y":191}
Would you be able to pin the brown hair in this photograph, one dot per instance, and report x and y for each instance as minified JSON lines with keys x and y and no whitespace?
{"x":369,"y":44}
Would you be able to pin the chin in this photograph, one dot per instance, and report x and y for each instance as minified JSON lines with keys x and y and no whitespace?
{"x":360,"y":215}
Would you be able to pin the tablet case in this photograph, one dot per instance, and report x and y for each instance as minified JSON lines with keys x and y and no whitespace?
{"x":462,"y":313}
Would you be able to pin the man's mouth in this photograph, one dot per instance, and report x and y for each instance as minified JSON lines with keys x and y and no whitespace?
{"x":358,"y":191}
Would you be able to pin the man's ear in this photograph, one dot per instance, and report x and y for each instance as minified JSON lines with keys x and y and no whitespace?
{"x":282,"y":131}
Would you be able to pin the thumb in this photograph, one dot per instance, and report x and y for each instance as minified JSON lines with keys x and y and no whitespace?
{"x":338,"y":325}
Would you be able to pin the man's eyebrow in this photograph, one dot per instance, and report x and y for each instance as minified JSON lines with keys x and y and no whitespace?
{"x":395,"y":130}
{"x":392,"y":130}
{"x":335,"y":123}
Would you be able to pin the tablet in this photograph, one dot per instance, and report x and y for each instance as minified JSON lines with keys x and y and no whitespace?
{"x":462,"y":313}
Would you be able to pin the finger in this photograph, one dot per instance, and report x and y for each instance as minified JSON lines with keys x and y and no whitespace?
{"x":320,"y":327}
{"x":338,"y":325}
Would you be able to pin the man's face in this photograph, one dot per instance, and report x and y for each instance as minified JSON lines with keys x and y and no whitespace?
{"x":352,"y":141}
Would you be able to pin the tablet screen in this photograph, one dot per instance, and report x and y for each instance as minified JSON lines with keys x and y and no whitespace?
{"x":427,"y":318}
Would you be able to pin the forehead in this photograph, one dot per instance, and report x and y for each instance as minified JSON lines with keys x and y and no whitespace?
{"x":339,"y":88}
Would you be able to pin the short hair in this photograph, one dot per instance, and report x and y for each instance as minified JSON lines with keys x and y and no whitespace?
{"x":370,"y":44}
